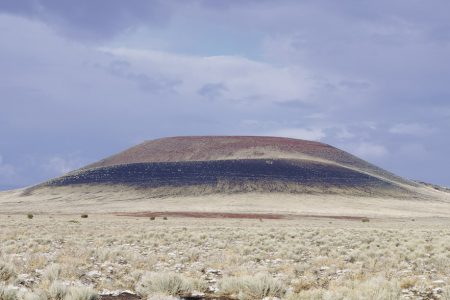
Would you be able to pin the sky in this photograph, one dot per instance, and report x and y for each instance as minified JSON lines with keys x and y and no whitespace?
{"x":82,"y":80}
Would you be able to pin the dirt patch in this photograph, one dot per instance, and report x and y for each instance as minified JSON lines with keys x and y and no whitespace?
{"x":123,"y":296}
{"x":213,"y":215}
{"x":128,"y":296}
{"x":220,"y":215}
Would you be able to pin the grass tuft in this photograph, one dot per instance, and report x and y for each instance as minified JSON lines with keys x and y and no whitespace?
{"x":164,"y":283}
{"x":252,"y":287}
{"x":7,"y":293}
{"x":81,"y":293}
{"x":7,"y":271}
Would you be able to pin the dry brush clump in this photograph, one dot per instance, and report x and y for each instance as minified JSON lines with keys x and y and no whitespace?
{"x":252,"y":287}
{"x":7,"y":292}
{"x":7,"y":271}
{"x":164,"y":283}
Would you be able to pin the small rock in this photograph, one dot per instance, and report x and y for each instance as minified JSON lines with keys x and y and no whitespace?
{"x":213,"y":271}
{"x":438,"y":282}
{"x":197,"y":294}
{"x":25,"y":279}
{"x":93,"y":274}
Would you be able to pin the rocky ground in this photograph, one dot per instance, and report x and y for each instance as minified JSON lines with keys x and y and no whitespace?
{"x":69,"y":257}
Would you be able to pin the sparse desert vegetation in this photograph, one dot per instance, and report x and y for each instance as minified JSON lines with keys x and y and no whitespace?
{"x":51,"y":257}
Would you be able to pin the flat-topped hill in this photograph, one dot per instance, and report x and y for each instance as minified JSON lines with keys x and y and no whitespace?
{"x":207,"y":148}
{"x":227,"y":173}
{"x":236,"y":164}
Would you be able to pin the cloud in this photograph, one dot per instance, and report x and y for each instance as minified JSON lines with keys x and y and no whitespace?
{"x":58,"y":165}
{"x":412,"y":129}
{"x":413,"y":151}
{"x":212,"y":90}
{"x":369,"y":150}
{"x":91,"y":20}
{"x":6,"y":170}
{"x":8,"y":174}
{"x":314,"y":134}
{"x":146,"y":82}
{"x":239,"y":79}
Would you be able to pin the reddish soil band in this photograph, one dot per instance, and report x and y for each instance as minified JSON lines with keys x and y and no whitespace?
{"x":220,"y":215}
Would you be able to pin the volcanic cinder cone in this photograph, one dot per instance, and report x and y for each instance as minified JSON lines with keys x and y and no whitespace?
{"x":232,"y":173}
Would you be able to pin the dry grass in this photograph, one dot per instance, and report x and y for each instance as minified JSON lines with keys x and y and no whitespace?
{"x":163,"y":283}
{"x":50,"y":257}
{"x":84,"y":199}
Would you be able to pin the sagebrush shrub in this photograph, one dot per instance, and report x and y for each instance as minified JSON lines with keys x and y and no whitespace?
{"x":7,"y":271}
{"x":252,"y":287}
{"x":164,"y":283}
{"x":81,"y":293}
{"x":7,"y":293}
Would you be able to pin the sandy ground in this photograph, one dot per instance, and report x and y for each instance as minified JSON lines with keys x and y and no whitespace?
{"x":107,"y":199}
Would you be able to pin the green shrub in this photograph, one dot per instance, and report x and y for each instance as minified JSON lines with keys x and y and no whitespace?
{"x":30,"y":216}
{"x":84,"y":216}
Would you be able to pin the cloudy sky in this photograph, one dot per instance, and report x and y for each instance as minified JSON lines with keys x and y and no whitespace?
{"x":81,"y":80}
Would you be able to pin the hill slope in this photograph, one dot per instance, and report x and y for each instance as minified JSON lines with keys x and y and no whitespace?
{"x":186,"y":165}
{"x":206,"y":148}
{"x":170,"y":173}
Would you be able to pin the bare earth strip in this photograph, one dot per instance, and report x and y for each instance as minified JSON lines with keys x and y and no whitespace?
{"x":217,"y":215}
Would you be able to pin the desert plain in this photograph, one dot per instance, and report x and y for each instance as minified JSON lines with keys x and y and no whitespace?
{"x":224,"y":256}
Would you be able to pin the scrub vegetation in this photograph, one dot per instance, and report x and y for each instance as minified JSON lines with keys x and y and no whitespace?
{"x":50,"y":257}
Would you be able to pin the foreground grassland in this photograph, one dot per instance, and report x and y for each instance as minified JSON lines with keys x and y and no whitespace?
{"x":69,"y":257}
